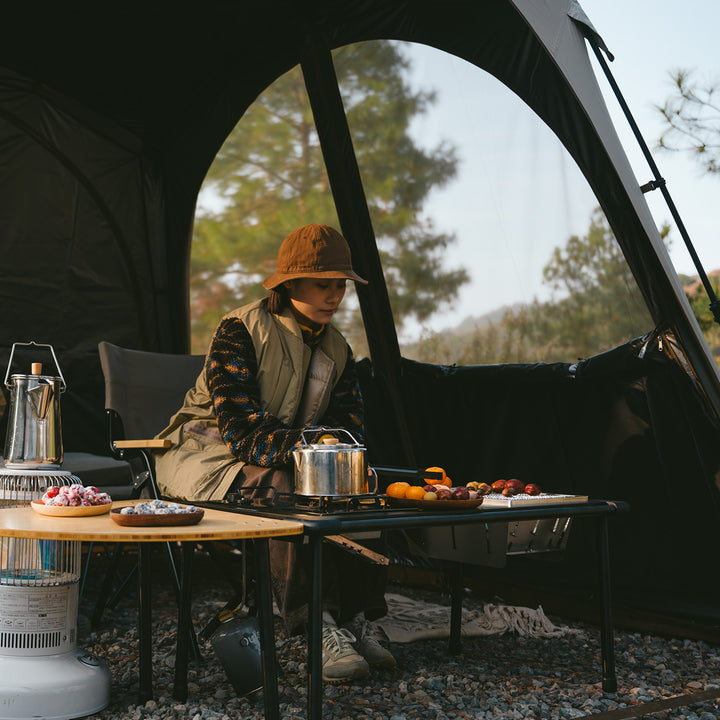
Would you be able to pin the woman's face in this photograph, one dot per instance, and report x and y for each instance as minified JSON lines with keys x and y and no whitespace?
{"x":316,"y":299}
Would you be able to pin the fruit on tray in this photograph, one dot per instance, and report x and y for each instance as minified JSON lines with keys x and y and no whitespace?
{"x":74,"y":496}
{"x":434,"y":480}
{"x":461,"y":493}
{"x":515,"y":484}
{"x":397,"y":489}
{"x":508,"y":488}
{"x":415,"y":492}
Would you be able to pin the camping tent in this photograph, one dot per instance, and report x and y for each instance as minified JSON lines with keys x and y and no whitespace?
{"x":109,"y":119}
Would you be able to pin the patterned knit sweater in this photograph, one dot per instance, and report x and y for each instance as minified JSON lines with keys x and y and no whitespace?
{"x":251,"y":434}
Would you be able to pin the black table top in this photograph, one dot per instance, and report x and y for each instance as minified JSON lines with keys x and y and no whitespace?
{"x":384,"y":518}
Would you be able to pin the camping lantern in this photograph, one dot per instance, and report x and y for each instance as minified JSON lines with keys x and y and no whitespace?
{"x":42,"y":672}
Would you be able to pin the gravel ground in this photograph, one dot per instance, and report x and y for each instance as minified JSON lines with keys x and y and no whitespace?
{"x":494,"y":677}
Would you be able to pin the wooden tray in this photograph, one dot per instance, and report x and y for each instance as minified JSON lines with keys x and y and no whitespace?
{"x":435,"y":505}
{"x":156,"y":520}
{"x":69,"y":510}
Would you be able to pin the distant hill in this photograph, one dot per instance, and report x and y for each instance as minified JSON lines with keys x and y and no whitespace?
{"x":455,"y":338}
{"x":473,"y":322}
{"x":691,"y":283}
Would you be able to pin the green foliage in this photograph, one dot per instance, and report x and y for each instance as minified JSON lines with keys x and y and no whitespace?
{"x":269,"y":177}
{"x":596,"y":305}
{"x":692,"y":120}
{"x":700,"y":305}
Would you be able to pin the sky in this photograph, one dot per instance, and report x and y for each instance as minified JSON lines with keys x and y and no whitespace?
{"x":650,"y":39}
{"x":518,"y":194}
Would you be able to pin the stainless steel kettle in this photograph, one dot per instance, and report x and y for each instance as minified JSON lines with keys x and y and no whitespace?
{"x":331,"y":469}
{"x":34,"y":438}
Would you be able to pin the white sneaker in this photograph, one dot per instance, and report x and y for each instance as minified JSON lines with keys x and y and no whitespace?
{"x":367,"y":642}
{"x":340,"y":661}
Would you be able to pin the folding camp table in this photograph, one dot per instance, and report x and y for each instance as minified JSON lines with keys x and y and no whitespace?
{"x":319,"y":526}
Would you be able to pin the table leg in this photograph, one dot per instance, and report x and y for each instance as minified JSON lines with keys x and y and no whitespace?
{"x":456,"y":593}
{"x":607,"y":639}
{"x":180,"y":689}
{"x":145,"y":627}
{"x":106,"y":588}
{"x":314,"y":698}
{"x":267,"y":629}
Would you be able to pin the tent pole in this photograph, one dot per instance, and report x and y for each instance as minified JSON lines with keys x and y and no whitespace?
{"x":658,"y":182}
{"x":354,"y":215}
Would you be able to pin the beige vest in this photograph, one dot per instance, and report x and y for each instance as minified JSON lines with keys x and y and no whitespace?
{"x":199,"y":465}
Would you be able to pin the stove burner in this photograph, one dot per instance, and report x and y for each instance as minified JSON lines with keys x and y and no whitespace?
{"x":327,"y":505}
{"x":268,"y":498}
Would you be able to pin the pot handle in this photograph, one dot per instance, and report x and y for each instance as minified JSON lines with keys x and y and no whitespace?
{"x":38,"y":345}
{"x":371,"y":471}
{"x":327,"y":430}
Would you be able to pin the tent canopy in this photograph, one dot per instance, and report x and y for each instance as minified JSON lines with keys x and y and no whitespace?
{"x":111,"y":115}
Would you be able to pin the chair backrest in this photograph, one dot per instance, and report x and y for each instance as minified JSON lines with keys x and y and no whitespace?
{"x":144,"y":388}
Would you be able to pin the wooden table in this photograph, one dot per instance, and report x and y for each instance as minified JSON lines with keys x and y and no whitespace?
{"x":216,"y":525}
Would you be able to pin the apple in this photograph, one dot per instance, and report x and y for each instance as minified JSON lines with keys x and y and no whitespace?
{"x":510,"y":490}
{"x":444,"y":494}
{"x":515,"y":483}
{"x":430,"y":495}
{"x":532,"y":489}
{"x":461,"y":493}
{"x":498,"y":486}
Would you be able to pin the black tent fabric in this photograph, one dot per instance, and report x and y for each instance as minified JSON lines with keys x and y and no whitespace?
{"x":110,"y":116}
{"x":613,"y":426}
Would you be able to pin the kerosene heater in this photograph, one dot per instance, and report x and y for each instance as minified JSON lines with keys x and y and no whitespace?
{"x":43,"y":674}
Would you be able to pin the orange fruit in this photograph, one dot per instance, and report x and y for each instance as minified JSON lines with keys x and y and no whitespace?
{"x":397,"y":489}
{"x":441,"y":481}
{"x":415,"y":492}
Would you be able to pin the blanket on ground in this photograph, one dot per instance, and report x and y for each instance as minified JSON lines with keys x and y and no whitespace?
{"x":408,"y":620}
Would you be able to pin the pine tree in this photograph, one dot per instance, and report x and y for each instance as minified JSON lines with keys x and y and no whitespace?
{"x":269,"y":178}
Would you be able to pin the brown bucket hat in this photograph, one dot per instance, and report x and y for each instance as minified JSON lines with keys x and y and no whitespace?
{"x":317,"y":251}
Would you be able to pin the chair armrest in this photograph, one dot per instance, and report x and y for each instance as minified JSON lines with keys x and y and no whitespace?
{"x":154,"y":443}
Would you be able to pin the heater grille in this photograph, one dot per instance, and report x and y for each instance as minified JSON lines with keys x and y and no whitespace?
{"x":30,"y":641}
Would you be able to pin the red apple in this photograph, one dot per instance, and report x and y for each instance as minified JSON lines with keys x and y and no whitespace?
{"x":444,"y":494}
{"x":532,"y":489}
{"x":498,"y":486}
{"x":515,"y":483}
{"x":461,"y":493}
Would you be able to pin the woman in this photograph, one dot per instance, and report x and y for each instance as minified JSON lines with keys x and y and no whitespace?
{"x":274,"y":367}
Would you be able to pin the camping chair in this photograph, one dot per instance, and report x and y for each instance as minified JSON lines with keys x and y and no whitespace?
{"x":142,"y":391}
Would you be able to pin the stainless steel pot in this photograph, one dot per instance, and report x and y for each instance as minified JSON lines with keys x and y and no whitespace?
{"x":34,"y":437}
{"x":331,"y":468}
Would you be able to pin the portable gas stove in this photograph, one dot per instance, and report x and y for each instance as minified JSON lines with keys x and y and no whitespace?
{"x":269,"y":500}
